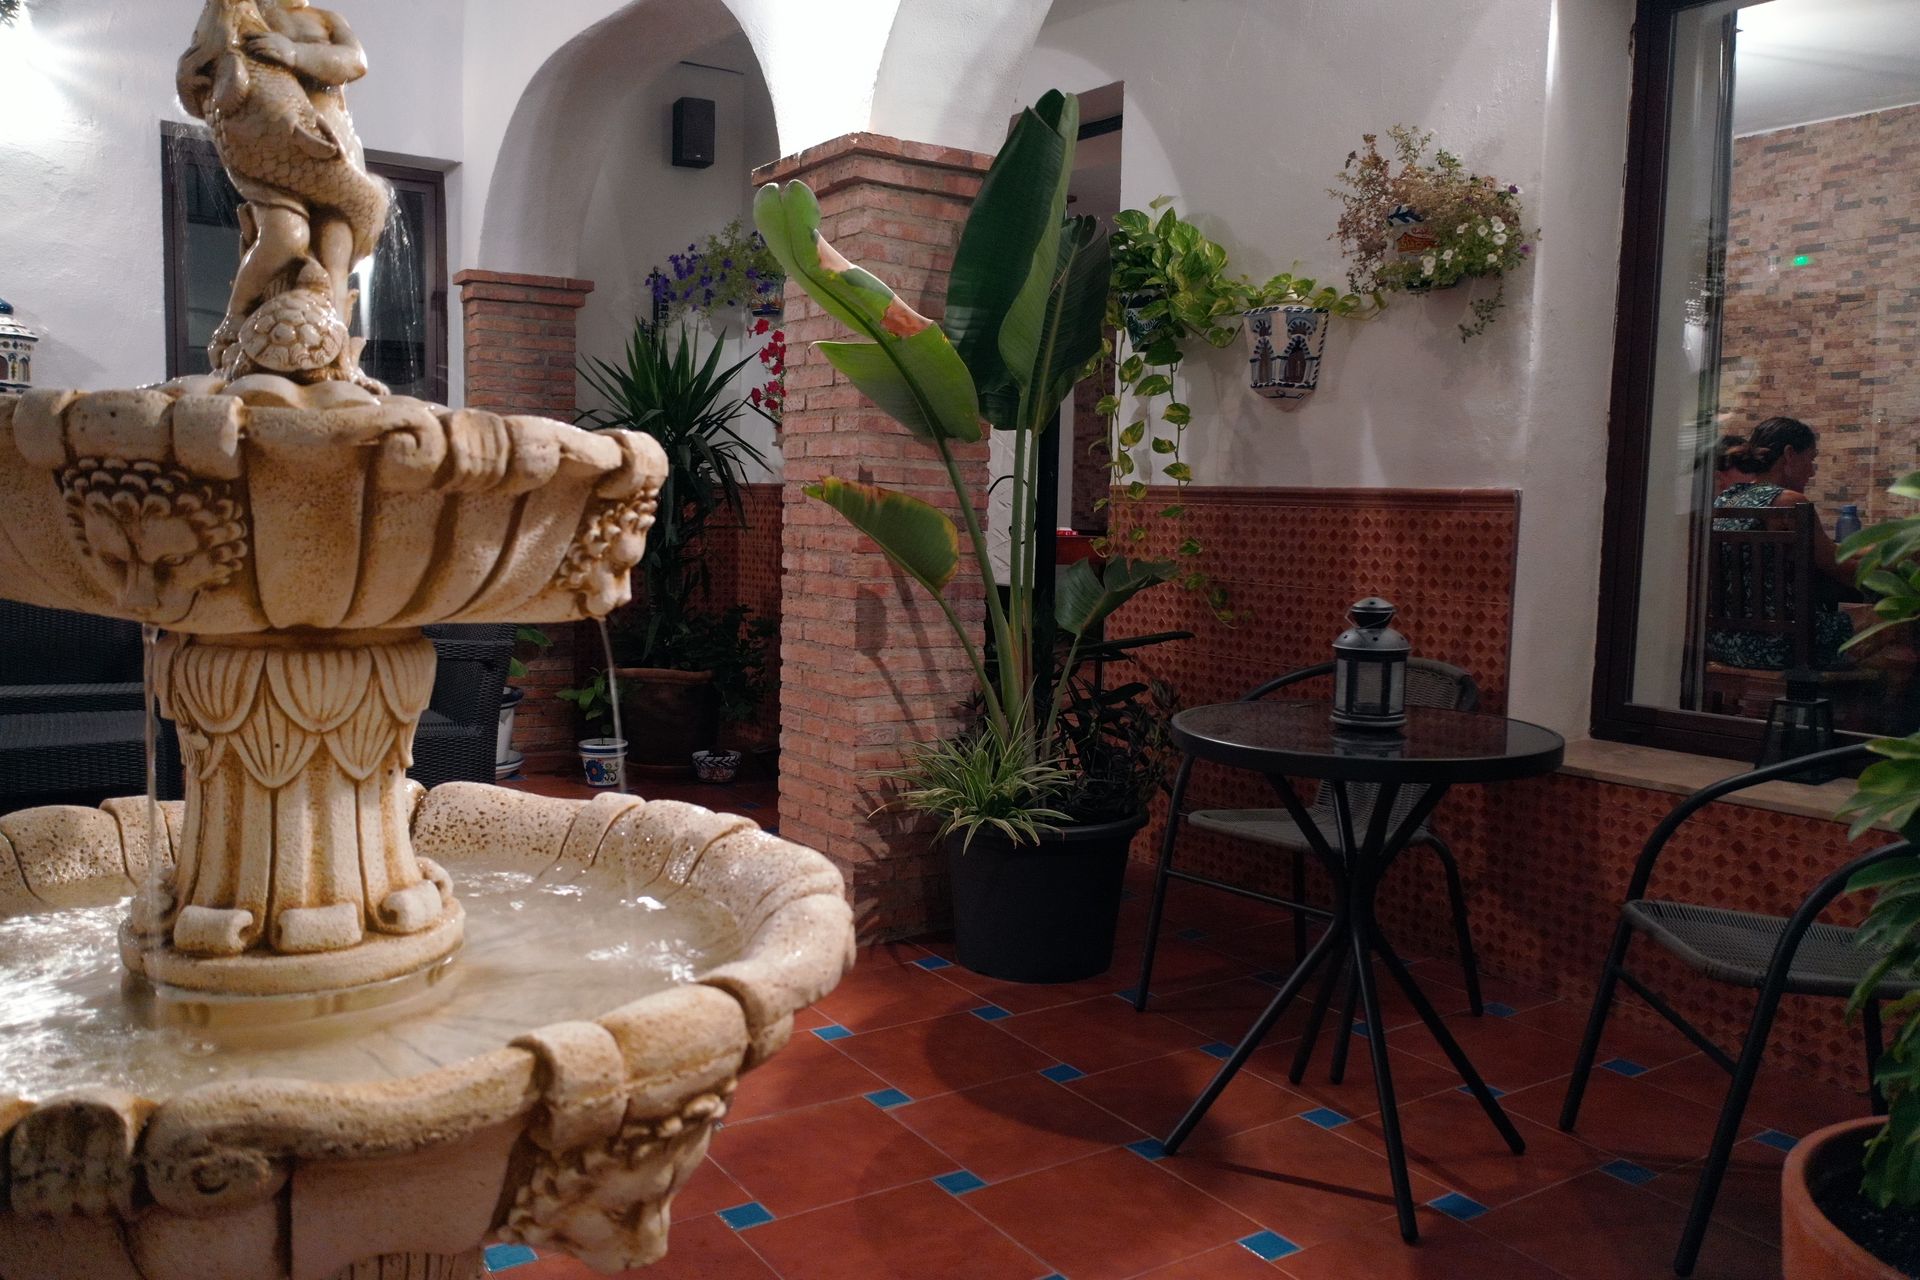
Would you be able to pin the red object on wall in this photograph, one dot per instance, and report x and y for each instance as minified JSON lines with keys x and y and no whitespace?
{"x":1071,"y":548}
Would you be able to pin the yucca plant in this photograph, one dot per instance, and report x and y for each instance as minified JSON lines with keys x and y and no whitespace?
{"x":1023,"y":320}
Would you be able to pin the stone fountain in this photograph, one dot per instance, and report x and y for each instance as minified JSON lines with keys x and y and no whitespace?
{"x":309,"y":1062}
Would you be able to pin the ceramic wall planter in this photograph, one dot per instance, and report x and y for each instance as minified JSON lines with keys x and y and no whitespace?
{"x":16,"y":350}
{"x":1811,"y":1246}
{"x":1141,"y":331}
{"x":603,"y":760}
{"x":1284,"y":346}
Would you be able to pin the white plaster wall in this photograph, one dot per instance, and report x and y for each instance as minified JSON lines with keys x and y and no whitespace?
{"x":1245,"y":112}
{"x":86,"y":85}
{"x":643,"y":208}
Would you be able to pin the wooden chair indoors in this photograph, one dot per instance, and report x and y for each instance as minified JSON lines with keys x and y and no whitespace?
{"x":1761,"y":581}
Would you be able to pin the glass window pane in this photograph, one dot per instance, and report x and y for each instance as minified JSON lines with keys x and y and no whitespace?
{"x":1785,"y":388}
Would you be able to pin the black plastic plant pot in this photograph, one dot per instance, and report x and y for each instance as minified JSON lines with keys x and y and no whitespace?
{"x":1040,"y":914}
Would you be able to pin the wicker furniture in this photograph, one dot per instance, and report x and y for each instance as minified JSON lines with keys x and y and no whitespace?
{"x":1773,"y":955}
{"x":457,"y":737}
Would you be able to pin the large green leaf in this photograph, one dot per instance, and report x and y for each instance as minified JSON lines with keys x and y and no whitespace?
{"x":1088,"y":595}
{"x":879,"y":374}
{"x":1023,"y":332}
{"x":929,"y":373}
{"x":1071,"y":333}
{"x":997,"y":246}
{"x":914,"y":535}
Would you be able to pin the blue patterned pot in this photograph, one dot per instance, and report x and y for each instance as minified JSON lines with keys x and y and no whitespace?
{"x":604,"y":761}
{"x":1284,"y":345}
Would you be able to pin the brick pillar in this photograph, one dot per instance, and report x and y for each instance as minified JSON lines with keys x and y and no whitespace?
{"x":867,"y":663}
{"x":520,"y":358}
{"x":520,"y":341}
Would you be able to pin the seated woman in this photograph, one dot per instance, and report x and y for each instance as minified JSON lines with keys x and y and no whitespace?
{"x":1773,"y":467}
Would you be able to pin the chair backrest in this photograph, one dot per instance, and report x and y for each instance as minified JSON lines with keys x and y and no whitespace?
{"x":472,"y":670}
{"x":52,"y":646}
{"x":1760,"y":575}
{"x":1429,"y":684}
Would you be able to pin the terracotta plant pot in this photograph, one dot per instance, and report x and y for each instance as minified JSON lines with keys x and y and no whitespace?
{"x":1811,"y":1246}
{"x":668,"y":715}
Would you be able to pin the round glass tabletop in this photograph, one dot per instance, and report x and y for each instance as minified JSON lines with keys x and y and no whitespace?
{"x":1300,"y":738}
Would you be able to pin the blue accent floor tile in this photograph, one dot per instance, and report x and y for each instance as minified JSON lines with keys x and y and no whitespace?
{"x":1777,"y":1140}
{"x":1148,"y":1149}
{"x":1219,"y":1049}
{"x":990,"y":1013}
{"x":1268,"y":1246}
{"x":832,"y":1031}
{"x":500,"y":1257}
{"x":742,"y":1216}
{"x":1499,"y":1010}
{"x":1493,"y":1089}
{"x":1128,"y":993}
{"x":1634,"y":1175}
{"x":1325,"y":1117}
{"x":1063,"y":1073}
{"x":1458,"y":1207}
{"x":959,"y":1182}
{"x":1360,"y":1028}
{"x":887,"y":1099}
{"x":1625,"y":1066}
{"x":931,"y":963}
{"x":1191,"y":935}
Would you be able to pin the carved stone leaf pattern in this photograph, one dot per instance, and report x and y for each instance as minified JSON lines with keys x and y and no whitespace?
{"x":362,"y":744}
{"x":406,"y":675}
{"x":320,"y":688}
{"x":273,"y":747}
{"x":216,"y":686}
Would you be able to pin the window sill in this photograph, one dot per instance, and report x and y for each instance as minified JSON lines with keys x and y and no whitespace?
{"x":1655,"y":770}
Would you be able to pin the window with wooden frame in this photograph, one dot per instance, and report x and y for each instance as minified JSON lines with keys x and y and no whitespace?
{"x":1771,"y":249}
{"x":401,"y":307}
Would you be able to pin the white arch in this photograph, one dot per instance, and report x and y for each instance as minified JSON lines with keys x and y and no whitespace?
{"x":951,"y":72}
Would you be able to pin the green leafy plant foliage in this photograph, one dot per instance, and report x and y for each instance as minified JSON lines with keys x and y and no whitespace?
{"x":1889,"y":794}
{"x":525,"y":638}
{"x":9,"y":10}
{"x":595,"y":704}
{"x":1025,"y":301}
{"x":1469,"y":225}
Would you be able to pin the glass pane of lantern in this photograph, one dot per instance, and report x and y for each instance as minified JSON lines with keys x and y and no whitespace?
{"x":1340,"y":668}
{"x":1370,"y":685}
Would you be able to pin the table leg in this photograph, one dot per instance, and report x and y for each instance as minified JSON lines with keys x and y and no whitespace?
{"x":1343,"y":1042}
{"x":1255,"y":1034}
{"x":1304,"y":1053}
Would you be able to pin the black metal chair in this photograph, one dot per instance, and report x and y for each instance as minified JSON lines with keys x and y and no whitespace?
{"x":73,"y":716}
{"x":1429,"y":684}
{"x":457,"y":737}
{"x":1773,"y":955}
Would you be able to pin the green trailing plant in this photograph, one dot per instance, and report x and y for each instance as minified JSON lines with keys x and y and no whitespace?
{"x":1889,"y":794}
{"x":9,"y":10}
{"x":1428,"y":224}
{"x":1025,"y":300}
{"x":1120,"y":746}
{"x":594,"y":701}
{"x":731,"y":269}
{"x":524,"y":638}
{"x":669,"y":389}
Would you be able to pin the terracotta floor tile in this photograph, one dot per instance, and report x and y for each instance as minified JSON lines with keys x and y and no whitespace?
{"x":1507,"y":1055}
{"x":876,"y":996}
{"x":1224,"y":1011}
{"x":1306,"y":1183}
{"x":1448,"y":1250}
{"x":878,"y":953}
{"x":1355,"y":1095}
{"x":1625,"y":1037}
{"x":1108,"y":1216}
{"x":1749,"y":1199}
{"x":1630,"y":1118}
{"x":1025,"y":997}
{"x":1600,"y":1228}
{"x":1263,"y":947}
{"x":1228,"y":1262}
{"x":707,"y":1191}
{"x":1444,"y":970}
{"x":804,"y":1159}
{"x":1102,"y":1033}
{"x":912,"y":1233}
{"x":703,"y":1249}
{"x":1212,"y":910}
{"x":1178,"y":964}
{"x":1014,"y":1126}
{"x":1780,"y":1100}
{"x":941,"y":1055}
{"x":1451,"y":1140}
{"x":807,"y":1071}
{"x":1154,"y":1095}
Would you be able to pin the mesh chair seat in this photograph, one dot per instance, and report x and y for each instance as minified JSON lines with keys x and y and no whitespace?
{"x":1736,"y":947}
{"x":1276,"y":827}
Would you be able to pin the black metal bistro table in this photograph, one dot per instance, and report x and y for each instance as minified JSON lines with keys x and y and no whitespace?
{"x":1437,"y":749}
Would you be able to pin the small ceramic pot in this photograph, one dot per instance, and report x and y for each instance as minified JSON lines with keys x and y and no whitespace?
{"x":510,"y":699}
{"x":603,"y":760}
{"x":504,"y":769}
{"x":716,"y":766}
{"x":1284,"y":345}
{"x":1141,"y":331}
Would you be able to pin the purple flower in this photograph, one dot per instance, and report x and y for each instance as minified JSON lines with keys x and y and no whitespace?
{"x":1526,"y":250}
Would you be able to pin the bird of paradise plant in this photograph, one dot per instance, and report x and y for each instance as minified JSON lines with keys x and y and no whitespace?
{"x":1024,"y":305}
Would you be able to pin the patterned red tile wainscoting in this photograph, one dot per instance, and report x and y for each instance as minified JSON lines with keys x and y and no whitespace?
{"x":1546,"y":862}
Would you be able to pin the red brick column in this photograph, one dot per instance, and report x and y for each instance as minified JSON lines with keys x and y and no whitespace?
{"x":520,"y":341}
{"x":520,"y":358}
{"x":868,"y":665}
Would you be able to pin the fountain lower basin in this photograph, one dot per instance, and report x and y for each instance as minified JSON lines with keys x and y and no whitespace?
{"x":551,"y":1090}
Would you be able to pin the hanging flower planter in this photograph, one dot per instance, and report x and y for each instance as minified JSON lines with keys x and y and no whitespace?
{"x":1284,"y":344}
{"x":1412,"y":242}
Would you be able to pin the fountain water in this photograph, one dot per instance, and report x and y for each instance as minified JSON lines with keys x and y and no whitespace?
{"x":322,"y":1062}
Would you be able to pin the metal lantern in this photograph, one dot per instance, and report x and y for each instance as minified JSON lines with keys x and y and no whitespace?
{"x":1370,"y":669}
{"x":16,"y":351}
{"x":1799,"y":725}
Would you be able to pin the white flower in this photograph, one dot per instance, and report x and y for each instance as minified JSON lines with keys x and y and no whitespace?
{"x":1428,"y":264}
{"x":1447,"y":256}
{"x":1499,"y":237}
{"x":1493,"y":259}
{"x":1483,"y":228}
{"x":1460,"y":230}
{"x":1499,"y":225}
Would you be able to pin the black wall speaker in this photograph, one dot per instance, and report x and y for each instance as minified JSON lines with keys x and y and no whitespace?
{"x":693,"y":132}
